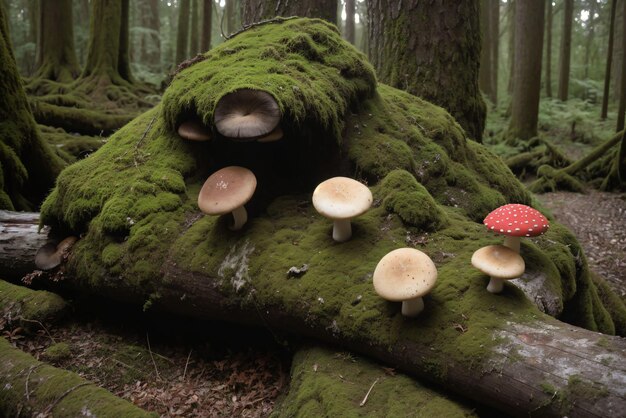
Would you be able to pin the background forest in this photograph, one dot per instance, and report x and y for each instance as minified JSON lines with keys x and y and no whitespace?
{"x":542,"y":84}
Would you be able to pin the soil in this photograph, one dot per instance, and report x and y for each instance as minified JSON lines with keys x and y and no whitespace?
{"x":598,"y":219}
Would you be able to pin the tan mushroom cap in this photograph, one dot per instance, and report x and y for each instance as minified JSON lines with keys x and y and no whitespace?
{"x":50,"y":255}
{"x":193,"y":130}
{"x":226,"y":189}
{"x":403,"y":274}
{"x":246,"y":113}
{"x":499,"y":262}
{"x":342,"y":198}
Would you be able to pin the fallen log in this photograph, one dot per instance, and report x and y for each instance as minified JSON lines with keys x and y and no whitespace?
{"x":19,"y":241}
{"x":526,"y":366}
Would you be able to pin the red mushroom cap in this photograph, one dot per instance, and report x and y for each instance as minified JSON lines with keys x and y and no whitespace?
{"x":517,"y":220}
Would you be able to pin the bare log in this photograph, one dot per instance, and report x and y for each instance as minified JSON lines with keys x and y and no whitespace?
{"x":536,"y":367}
{"x":19,"y":241}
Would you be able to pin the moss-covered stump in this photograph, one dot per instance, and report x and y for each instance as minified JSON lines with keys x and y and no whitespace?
{"x":30,"y":308}
{"x":146,"y":241}
{"x":32,"y":388}
{"x":335,"y":384}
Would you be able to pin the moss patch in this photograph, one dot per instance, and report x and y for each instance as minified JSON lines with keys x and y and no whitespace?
{"x":35,"y":305}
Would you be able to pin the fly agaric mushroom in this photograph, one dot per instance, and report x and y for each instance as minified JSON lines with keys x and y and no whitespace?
{"x":193,"y":130}
{"x":246,"y":115}
{"x":51,"y":255}
{"x":341,"y":199}
{"x":515,"y":221}
{"x":500,"y":263}
{"x":405,"y":275}
{"x":226,"y":191}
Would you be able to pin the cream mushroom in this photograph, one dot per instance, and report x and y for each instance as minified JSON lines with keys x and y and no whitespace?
{"x":227,"y":191}
{"x":500,"y":263}
{"x":405,"y":275}
{"x":341,"y":199}
{"x":246,"y":115}
{"x":193,"y":130}
{"x":51,"y":255}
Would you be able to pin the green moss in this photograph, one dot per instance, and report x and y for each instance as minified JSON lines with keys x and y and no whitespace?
{"x":327,"y":383}
{"x":34,"y":305}
{"x":58,"y":352}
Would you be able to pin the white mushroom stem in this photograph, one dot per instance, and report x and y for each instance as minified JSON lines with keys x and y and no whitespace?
{"x":495,"y":285}
{"x":412,"y":307}
{"x":240,"y":217}
{"x":512,"y":243}
{"x":342,"y":230}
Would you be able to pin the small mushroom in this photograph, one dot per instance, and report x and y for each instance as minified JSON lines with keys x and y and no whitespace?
{"x":51,"y":255}
{"x":193,"y":130}
{"x":405,"y":275}
{"x":341,"y":199}
{"x":500,"y":263}
{"x":246,"y":114}
{"x":226,"y":191}
{"x":515,"y":221}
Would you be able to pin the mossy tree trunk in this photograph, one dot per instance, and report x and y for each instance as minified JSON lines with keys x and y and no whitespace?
{"x":207,"y":25}
{"x":548,"y":63}
{"x":107,"y":59}
{"x":256,"y":10}
{"x":182,"y":33}
{"x":193,"y":36}
{"x":432,"y":50}
{"x":609,"y":61}
{"x":566,"y":49}
{"x":527,"y":70}
{"x":56,"y":59}
{"x":350,"y":11}
{"x":28,"y":167}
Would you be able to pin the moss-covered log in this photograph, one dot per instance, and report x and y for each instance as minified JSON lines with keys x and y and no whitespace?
{"x":616,"y":178}
{"x":30,"y":308}
{"x":30,"y":387}
{"x":145,"y":241}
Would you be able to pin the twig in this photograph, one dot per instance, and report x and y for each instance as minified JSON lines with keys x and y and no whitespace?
{"x":186,"y":364}
{"x":63,"y":395}
{"x":152,"y":357}
{"x":31,"y":369}
{"x":41,"y":325}
{"x":368,"y":392}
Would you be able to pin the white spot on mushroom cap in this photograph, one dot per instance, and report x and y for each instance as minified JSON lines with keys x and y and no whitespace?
{"x":226,"y":189}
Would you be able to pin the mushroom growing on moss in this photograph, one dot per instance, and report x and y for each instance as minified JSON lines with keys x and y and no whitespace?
{"x":51,"y":255}
{"x":405,"y":275}
{"x":515,"y":221}
{"x":500,"y":263}
{"x":227,"y":191}
{"x":341,"y":199}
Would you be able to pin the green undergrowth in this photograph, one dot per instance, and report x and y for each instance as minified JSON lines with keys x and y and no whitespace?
{"x":18,"y":302}
{"x":135,"y":202}
{"x":53,"y":391}
{"x":333,"y":384}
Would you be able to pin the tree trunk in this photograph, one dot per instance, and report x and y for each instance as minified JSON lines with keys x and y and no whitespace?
{"x":609,"y":59}
{"x":511,"y":47}
{"x":494,"y":17}
{"x":229,"y":11}
{"x":257,"y":10}
{"x":484,"y":75}
{"x":27,"y":165}
{"x":350,"y":11}
{"x":149,"y":43}
{"x":622,"y":95}
{"x":57,"y":57}
{"x":432,"y":50}
{"x":207,"y":25}
{"x":539,"y":366}
{"x":108,"y":58}
{"x":528,"y":43}
{"x":591,"y":23}
{"x":193,"y":36}
{"x":618,"y":52}
{"x":548,"y":63}
{"x":182,"y":31}
{"x":566,"y":48}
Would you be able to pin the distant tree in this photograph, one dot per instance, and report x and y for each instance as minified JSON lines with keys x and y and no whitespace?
{"x":193,"y":36}
{"x":149,"y":45}
{"x":27,"y":166}
{"x":490,"y":31}
{"x":590,"y":38}
{"x":609,"y":59}
{"x":56,"y":58}
{"x":566,"y":49}
{"x":511,"y":13}
{"x":182,"y":35}
{"x":350,"y":12}
{"x":529,"y":14}
{"x":432,"y":50}
{"x":548,"y":63}
{"x":230,"y":12}
{"x":256,"y":10}
{"x":622,"y":95}
{"x":207,"y":26}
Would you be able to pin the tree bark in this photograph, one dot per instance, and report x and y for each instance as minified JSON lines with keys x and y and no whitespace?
{"x":231,"y":21}
{"x":618,"y":52}
{"x":548,"y":63}
{"x":494,"y":17}
{"x":484,"y":75}
{"x":207,"y":25}
{"x":257,"y":10}
{"x":622,"y":95}
{"x":528,"y":44}
{"x":541,"y":367}
{"x":511,"y":82}
{"x":566,"y":49}
{"x":193,"y":36}
{"x":182,"y":31}
{"x":57,"y":59}
{"x":432,"y":50}
{"x":609,"y":59}
{"x":350,"y":11}
{"x":591,"y":23}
